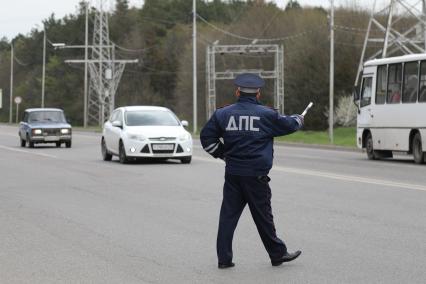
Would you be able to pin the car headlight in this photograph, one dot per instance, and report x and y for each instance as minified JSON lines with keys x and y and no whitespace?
{"x":65,"y":131}
{"x":136,"y":137}
{"x":185,"y":137}
{"x":37,"y":132}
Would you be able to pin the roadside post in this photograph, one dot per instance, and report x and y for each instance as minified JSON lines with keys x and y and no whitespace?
{"x":17,"y":100}
{"x":1,"y":98}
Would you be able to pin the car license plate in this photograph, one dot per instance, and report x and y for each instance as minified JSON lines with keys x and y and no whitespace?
{"x":51,"y":138}
{"x":163,"y":146}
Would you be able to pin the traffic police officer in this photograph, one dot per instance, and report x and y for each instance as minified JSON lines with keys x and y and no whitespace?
{"x":247,"y":129}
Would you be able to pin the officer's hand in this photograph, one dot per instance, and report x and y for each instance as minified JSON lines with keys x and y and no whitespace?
{"x":300,"y":119}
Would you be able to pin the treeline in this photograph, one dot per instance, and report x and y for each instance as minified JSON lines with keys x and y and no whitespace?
{"x":159,"y":34}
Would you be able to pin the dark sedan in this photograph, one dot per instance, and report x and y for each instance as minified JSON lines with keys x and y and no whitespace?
{"x":44,"y":125}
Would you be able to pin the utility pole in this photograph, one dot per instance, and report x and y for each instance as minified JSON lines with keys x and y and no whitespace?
{"x":11,"y":83}
{"x":194,"y":59}
{"x":43,"y":79}
{"x":86,"y":42}
{"x":331,"y":98}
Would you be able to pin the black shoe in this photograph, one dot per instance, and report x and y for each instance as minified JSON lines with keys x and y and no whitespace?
{"x":286,"y":258}
{"x":225,"y":265}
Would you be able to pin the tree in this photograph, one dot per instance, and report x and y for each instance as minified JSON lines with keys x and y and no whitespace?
{"x":293,"y":4}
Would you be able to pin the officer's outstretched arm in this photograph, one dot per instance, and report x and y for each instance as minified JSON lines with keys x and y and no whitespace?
{"x":283,"y":125}
{"x":209,"y":137}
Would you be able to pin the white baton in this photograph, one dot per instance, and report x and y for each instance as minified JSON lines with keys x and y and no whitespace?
{"x":307,"y":108}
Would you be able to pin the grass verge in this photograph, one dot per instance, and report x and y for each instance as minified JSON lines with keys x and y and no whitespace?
{"x":344,"y":136}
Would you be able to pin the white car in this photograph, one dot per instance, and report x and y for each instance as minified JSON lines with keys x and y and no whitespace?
{"x":145,"y":132}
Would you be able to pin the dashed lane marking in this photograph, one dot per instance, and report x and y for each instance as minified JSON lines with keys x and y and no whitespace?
{"x":28,"y":152}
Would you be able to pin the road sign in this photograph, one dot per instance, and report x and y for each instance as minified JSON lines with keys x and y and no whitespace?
{"x":18,"y":100}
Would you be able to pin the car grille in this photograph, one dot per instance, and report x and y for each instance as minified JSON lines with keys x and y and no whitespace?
{"x":179,"y":149}
{"x":51,"y":132}
{"x":162,"y":139}
{"x":145,"y":149}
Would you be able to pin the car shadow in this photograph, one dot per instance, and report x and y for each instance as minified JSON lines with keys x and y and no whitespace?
{"x":147,"y":161}
{"x":44,"y":147}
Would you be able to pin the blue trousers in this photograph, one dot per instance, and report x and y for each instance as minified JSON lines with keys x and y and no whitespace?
{"x":254,"y":191}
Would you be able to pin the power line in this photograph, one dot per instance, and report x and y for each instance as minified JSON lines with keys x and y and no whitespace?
{"x":134,"y":50}
{"x":17,"y":60}
{"x":258,"y":39}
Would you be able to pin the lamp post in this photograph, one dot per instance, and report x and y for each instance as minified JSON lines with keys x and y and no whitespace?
{"x":194,"y":63}
{"x":331,"y":95}
{"x":11,"y":83}
{"x":43,"y":79}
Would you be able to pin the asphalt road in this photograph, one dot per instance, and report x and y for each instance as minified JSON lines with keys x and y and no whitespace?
{"x":66,"y":216}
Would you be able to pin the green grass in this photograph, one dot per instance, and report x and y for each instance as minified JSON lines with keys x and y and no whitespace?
{"x":96,"y":129}
{"x":345,"y":136}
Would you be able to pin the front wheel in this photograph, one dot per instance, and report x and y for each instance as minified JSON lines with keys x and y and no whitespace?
{"x":106,"y":156}
{"x":30,"y":143}
{"x":122,"y":153}
{"x":23,"y":142}
{"x":369,"y":147}
{"x":419,"y":156}
{"x":68,"y":144}
{"x":186,"y":160}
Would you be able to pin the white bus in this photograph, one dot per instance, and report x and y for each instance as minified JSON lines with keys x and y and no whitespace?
{"x":391,"y":102}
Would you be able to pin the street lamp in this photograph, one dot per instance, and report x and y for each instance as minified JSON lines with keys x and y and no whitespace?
{"x":11,"y":82}
{"x":58,"y":45}
{"x":44,"y":67}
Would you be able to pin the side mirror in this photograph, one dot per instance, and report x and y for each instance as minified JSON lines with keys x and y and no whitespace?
{"x":185,"y":123}
{"x":117,"y":123}
{"x":355,"y":93}
{"x":356,"y":97}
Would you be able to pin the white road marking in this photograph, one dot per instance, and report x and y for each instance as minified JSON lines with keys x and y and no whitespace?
{"x":27,"y":152}
{"x":331,"y":175}
{"x":9,"y":134}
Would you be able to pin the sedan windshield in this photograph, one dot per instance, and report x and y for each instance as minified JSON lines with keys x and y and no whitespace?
{"x":46,"y":116}
{"x":150,"y":118}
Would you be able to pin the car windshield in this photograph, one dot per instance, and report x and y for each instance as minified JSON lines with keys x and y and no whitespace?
{"x":46,"y":116}
{"x":150,"y":118}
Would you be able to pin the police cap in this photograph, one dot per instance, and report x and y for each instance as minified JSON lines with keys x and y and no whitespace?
{"x":249,"y":83}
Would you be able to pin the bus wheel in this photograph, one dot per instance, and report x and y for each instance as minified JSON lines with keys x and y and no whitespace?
{"x":419,"y":156}
{"x":371,"y":153}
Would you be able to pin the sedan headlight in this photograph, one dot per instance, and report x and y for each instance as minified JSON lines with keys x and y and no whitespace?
{"x":37,"y":132}
{"x":185,"y":137}
{"x":136,"y":137}
{"x":65,"y":131}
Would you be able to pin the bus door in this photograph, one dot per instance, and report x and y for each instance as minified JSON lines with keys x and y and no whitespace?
{"x":366,"y":116}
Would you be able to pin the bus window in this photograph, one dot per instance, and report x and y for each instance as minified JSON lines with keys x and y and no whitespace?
{"x":381,"y":84}
{"x":366,"y":91}
{"x":394,"y":84}
{"x":422,"y":92}
{"x":411,"y":82}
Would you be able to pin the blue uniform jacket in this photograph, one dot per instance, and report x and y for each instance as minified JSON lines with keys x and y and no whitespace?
{"x":243,"y":135}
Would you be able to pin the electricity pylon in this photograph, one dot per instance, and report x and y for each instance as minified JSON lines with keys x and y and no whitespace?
{"x":105,"y":71}
{"x":399,"y":29}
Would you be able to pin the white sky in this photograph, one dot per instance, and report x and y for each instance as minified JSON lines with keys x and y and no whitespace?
{"x":20,"y":16}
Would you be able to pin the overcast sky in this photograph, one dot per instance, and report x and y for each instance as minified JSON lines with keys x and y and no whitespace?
{"x":20,"y":16}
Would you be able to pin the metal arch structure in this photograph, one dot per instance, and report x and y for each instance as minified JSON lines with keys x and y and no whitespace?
{"x":212,"y":75}
{"x":105,"y":71}
{"x":408,"y":41}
